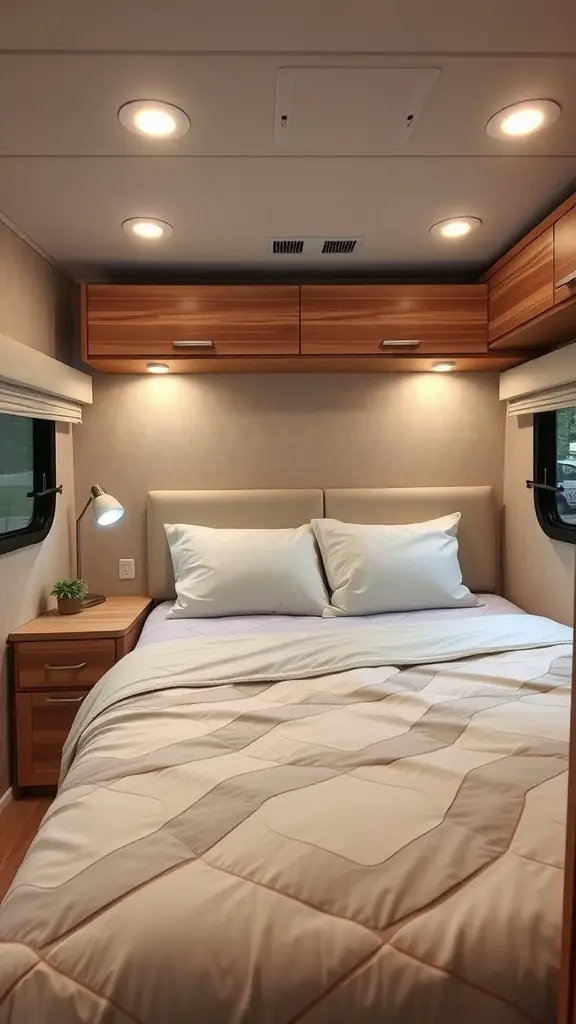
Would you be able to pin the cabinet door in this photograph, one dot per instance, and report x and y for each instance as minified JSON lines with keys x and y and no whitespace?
{"x":376,"y":319}
{"x":565,"y":256}
{"x":192,"y":320}
{"x":522,"y":288}
{"x":43,"y":721}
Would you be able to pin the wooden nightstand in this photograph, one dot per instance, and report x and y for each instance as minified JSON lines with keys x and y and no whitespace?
{"x":56,"y":660}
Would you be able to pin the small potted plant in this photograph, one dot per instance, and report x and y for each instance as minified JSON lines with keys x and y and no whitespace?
{"x":69,"y":594}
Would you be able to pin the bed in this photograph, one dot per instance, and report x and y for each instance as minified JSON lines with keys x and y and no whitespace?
{"x":273,"y":820}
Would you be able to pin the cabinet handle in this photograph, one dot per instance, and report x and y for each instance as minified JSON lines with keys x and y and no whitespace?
{"x":567,"y":279}
{"x":399,"y":342}
{"x":64,"y":700}
{"x":193,"y":344}
{"x":65,"y":668}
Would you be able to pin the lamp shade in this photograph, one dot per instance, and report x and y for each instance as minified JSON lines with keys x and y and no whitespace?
{"x":106,"y":509}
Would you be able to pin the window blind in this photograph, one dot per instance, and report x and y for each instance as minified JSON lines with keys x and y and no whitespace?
{"x":21,"y":401}
{"x":540,"y":380}
{"x":561,"y":397}
{"x":38,"y":386}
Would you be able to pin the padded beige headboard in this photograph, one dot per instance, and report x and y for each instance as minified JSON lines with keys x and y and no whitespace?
{"x":477,"y":533}
{"x":279,"y":509}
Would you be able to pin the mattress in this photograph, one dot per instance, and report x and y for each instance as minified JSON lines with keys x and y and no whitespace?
{"x":326,"y":827}
{"x":158,"y":628}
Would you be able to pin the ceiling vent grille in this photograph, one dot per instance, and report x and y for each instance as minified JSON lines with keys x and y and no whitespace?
{"x":341,"y":246}
{"x":313,"y":246}
{"x":286,"y":246}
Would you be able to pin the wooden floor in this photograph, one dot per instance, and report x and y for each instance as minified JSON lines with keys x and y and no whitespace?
{"x":18,"y":825}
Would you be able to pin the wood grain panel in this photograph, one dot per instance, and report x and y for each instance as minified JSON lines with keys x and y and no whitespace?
{"x":146,"y":320}
{"x":555,"y":326}
{"x":523,"y":287}
{"x":83,"y":324}
{"x":355,"y":319}
{"x":43,"y":722}
{"x":565,"y":256}
{"x":127,"y":643}
{"x":548,"y":222}
{"x":567,"y":979}
{"x":70,"y":663}
{"x":114,"y":618}
{"x":493,"y":362}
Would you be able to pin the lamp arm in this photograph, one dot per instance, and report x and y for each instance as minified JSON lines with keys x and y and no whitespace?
{"x":78,"y":521}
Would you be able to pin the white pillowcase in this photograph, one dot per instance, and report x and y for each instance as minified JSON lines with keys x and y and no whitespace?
{"x":374,"y":569}
{"x":245,"y":572}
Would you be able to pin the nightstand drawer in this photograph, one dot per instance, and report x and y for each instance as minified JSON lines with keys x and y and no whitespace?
{"x":43,"y":722}
{"x":55,"y":663}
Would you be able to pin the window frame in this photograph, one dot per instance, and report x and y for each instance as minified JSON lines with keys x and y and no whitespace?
{"x":545,"y":469}
{"x":44,"y":476}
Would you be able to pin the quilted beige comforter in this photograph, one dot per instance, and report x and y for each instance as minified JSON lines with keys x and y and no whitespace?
{"x":355,"y":829}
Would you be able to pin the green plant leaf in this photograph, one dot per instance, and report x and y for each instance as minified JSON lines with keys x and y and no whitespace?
{"x":74,"y":588}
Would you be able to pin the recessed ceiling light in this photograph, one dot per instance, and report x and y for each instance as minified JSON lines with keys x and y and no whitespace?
{"x":148,"y":228}
{"x":157,"y":367}
{"x":154,"y":118}
{"x":443,"y":367}
{"x":455,"y":227}
{"x":523,"y":118}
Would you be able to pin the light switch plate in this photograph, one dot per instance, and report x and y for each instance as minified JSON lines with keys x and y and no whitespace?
{"x":126,"y":569}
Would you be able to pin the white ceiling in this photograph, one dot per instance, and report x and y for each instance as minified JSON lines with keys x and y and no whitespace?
{"x":409,"y":26}
{"x":69,"y":174}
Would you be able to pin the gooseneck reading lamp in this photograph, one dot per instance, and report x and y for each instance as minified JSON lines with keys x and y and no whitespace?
{"x":106,"y":510}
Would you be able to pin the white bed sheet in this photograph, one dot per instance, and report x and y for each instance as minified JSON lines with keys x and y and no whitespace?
{"x":158,"y":628}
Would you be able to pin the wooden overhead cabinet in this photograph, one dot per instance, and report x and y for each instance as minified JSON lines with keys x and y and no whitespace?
{"x":565,"y":257}
{"x":525,"y":302}
{"x":174,"y":321}
{"x":520,"y":290}
{"x":391,"y":320}
{"x":287,"y":328}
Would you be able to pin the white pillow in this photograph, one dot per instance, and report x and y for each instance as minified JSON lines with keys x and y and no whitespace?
{"x":245,"y":572}
{"x":373,"y":569}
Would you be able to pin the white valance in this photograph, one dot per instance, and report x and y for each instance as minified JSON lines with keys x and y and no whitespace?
{"x":541,"y":385}
{"x":543,"y":401}
{"x":36,"y":385}
{"x":35,"y":404}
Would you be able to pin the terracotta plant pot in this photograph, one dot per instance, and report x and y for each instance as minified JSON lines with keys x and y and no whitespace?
{"x":69,"y":605}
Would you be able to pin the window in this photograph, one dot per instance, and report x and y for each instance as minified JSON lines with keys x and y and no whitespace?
{"x":555,"y":466}
{"x":27,"y":470}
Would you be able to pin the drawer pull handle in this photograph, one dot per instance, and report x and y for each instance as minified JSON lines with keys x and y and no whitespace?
{"x":64,"y":700}
{"x":193,"y":344}
{"x":568,"y":279}
{"x":65,"y":668}
{"x":399,"y":342}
